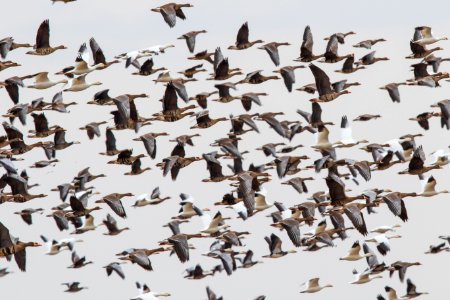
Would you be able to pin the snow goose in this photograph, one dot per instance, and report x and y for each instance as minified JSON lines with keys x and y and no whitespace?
{"x":428,"y":185}
{"x":382,"y":242}
{"x":313,"y":286}
{"x":346,"y":135}
{"x":152,"y":199}
{"x":41,"y":81}
{"x":212,"y":225}
{"x":79,"y":83}
{"x":426,"y":36}
{"x":353,"y":253}
{"x":384,"y":229}
{"x":361,"y":278}
{"x":440,"y":157}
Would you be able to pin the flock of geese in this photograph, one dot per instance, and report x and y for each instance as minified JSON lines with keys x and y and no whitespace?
{"x":319,"y":220}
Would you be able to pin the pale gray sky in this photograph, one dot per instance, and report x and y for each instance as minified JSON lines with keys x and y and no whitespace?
{"x":121,"y":26}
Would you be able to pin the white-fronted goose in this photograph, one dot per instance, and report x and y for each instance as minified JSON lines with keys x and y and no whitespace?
{"x":348,"y":67}
{"x":73,"y":287}
{"x":16,"y":248}
{"x":340,"y":36}
{"x":392,"y":89}
{"x":190,"y":39}
{"x":272,"y":50}
{"x":323,"y":84}
{"x":331,"y":52}
{"x":288,"y":75}
{"x":368,"y":43}
{"x":171,"y":11}
{"x":42,"y":46}
{"x":306,"y":49}
{"x":242,"y":41}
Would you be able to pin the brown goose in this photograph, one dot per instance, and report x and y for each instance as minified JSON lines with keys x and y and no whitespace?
{"x":419,"y":51}
{"x":368,"y":43}
{"x":190,"y":39}
{"x":337,"y":190}
{"x":182,"y":141}
{"x":224,"y":92}
{"x":147,"y":69}
{"x":16,"y":142}
{"x":393,"y":91}
{"x":12,"y":87}
{"x":275,"y":243}
{"x":340,"y":36}
{"x":26,"y":214}
{"x":396,"y":205}
{"x":189,"y":73}
{"x":221,"y":67}
{"x":288,"y":75}
{"x":331,"y":54}
{"x":348,"y":68}
{"x":93,"y":129}
{"x":111,"y":225}
{"x":8,"y":64}
{"x":256,"y":78}
{"x":175,"y":163}
{"x":98,"y":56}
{"x":237,"y":124}
{"x":324,"y":88}
{"x":370,"y":59}
{"x":298,"y":184}
{"x":423,"y":118}
{"x":7,"y":44}
{"x":416,"y":164}
{"x":125,"y":157}
{"x":136,"y":168}
{"x":78,"y":262}
{"x":204,"y":121}
{"x":203,"y":55}
{"x":171,"y":112}
{"x":401,"y":267}
{"x":434,"y":61}
{"x":79,"y":209}
{"x":42,"y":46}
{"x":149,"y":140}
{"x":306,"y":49}
{"x":242,"y":41}
{"x":366,"y":117}
{"x":202,"y":98}
{"x":17,"y":248}
{"x":171,"y":11}
{"x":272,"y":50}
{"x":41,"y":126}
{"x":248,"y":98}
{"x":110,"y":142}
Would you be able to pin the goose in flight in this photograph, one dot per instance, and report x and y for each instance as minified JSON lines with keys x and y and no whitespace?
{"x":172,"y":11}
{"x":242,"y":41}
{"x":42,"y":46}
{"x":425,"y":36}
{"x":313,"y":286}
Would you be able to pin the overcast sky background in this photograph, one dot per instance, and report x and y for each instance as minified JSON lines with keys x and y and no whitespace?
{"x":120,"y":26}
